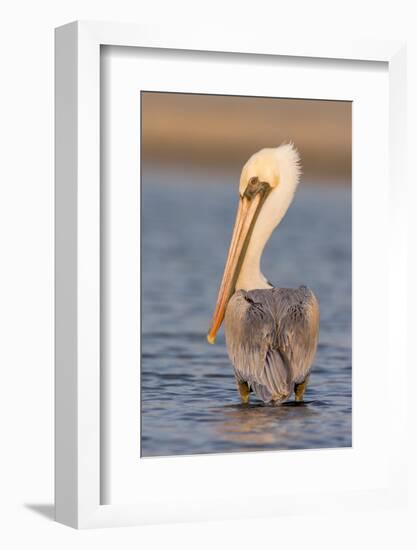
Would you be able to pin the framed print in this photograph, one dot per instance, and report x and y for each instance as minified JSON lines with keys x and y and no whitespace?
{"x":160,"y":144}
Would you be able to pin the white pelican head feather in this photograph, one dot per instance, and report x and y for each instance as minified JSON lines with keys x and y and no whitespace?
{"x":267,"y":185}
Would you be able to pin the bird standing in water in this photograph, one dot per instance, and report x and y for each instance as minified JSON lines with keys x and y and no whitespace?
{"x":271,"y":333}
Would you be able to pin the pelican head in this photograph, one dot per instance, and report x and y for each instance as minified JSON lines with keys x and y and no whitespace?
{"x":267,"y":185}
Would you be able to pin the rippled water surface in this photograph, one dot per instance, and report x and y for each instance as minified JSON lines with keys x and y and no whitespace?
{"x":189,"y":400}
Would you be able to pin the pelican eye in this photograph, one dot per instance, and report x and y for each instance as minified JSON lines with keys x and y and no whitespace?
{"x":254,"y":187}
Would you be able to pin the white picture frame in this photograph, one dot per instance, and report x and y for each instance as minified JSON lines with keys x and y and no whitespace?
{"x":78,"y":265}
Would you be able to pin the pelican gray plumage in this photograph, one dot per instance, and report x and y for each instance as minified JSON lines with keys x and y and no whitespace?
{"x":271,"y":333}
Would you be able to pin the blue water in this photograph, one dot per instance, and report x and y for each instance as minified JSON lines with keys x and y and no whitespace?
{"x":189,"y":400}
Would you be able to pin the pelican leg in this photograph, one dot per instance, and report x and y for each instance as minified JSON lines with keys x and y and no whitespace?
{"x":299,"y":389}
{"x":244,"y":391}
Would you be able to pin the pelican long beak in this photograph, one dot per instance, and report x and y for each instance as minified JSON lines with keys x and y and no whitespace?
{"x":247,"y":214}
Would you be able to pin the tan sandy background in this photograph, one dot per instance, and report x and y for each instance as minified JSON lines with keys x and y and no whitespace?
{"x":221,"y":132}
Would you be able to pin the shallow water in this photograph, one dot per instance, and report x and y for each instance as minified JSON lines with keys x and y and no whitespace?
{"x":189,"y":400}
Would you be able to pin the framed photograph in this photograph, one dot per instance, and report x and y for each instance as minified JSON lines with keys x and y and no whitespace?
{"x":241,"y":193}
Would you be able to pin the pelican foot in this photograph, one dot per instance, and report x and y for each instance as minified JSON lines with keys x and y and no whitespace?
{"x":299,"y":389}
{"x":244,"y":391}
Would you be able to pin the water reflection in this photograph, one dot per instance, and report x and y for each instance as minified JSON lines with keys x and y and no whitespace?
{"x":262,"y":425}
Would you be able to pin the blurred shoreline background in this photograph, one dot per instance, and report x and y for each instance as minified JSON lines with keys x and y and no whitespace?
{"x":219,"y":133}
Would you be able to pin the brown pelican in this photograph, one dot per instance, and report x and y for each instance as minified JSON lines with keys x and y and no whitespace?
{"x":271,"y":333}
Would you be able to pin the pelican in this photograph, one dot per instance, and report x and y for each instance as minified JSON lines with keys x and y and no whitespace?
{"x":271,"y":333}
